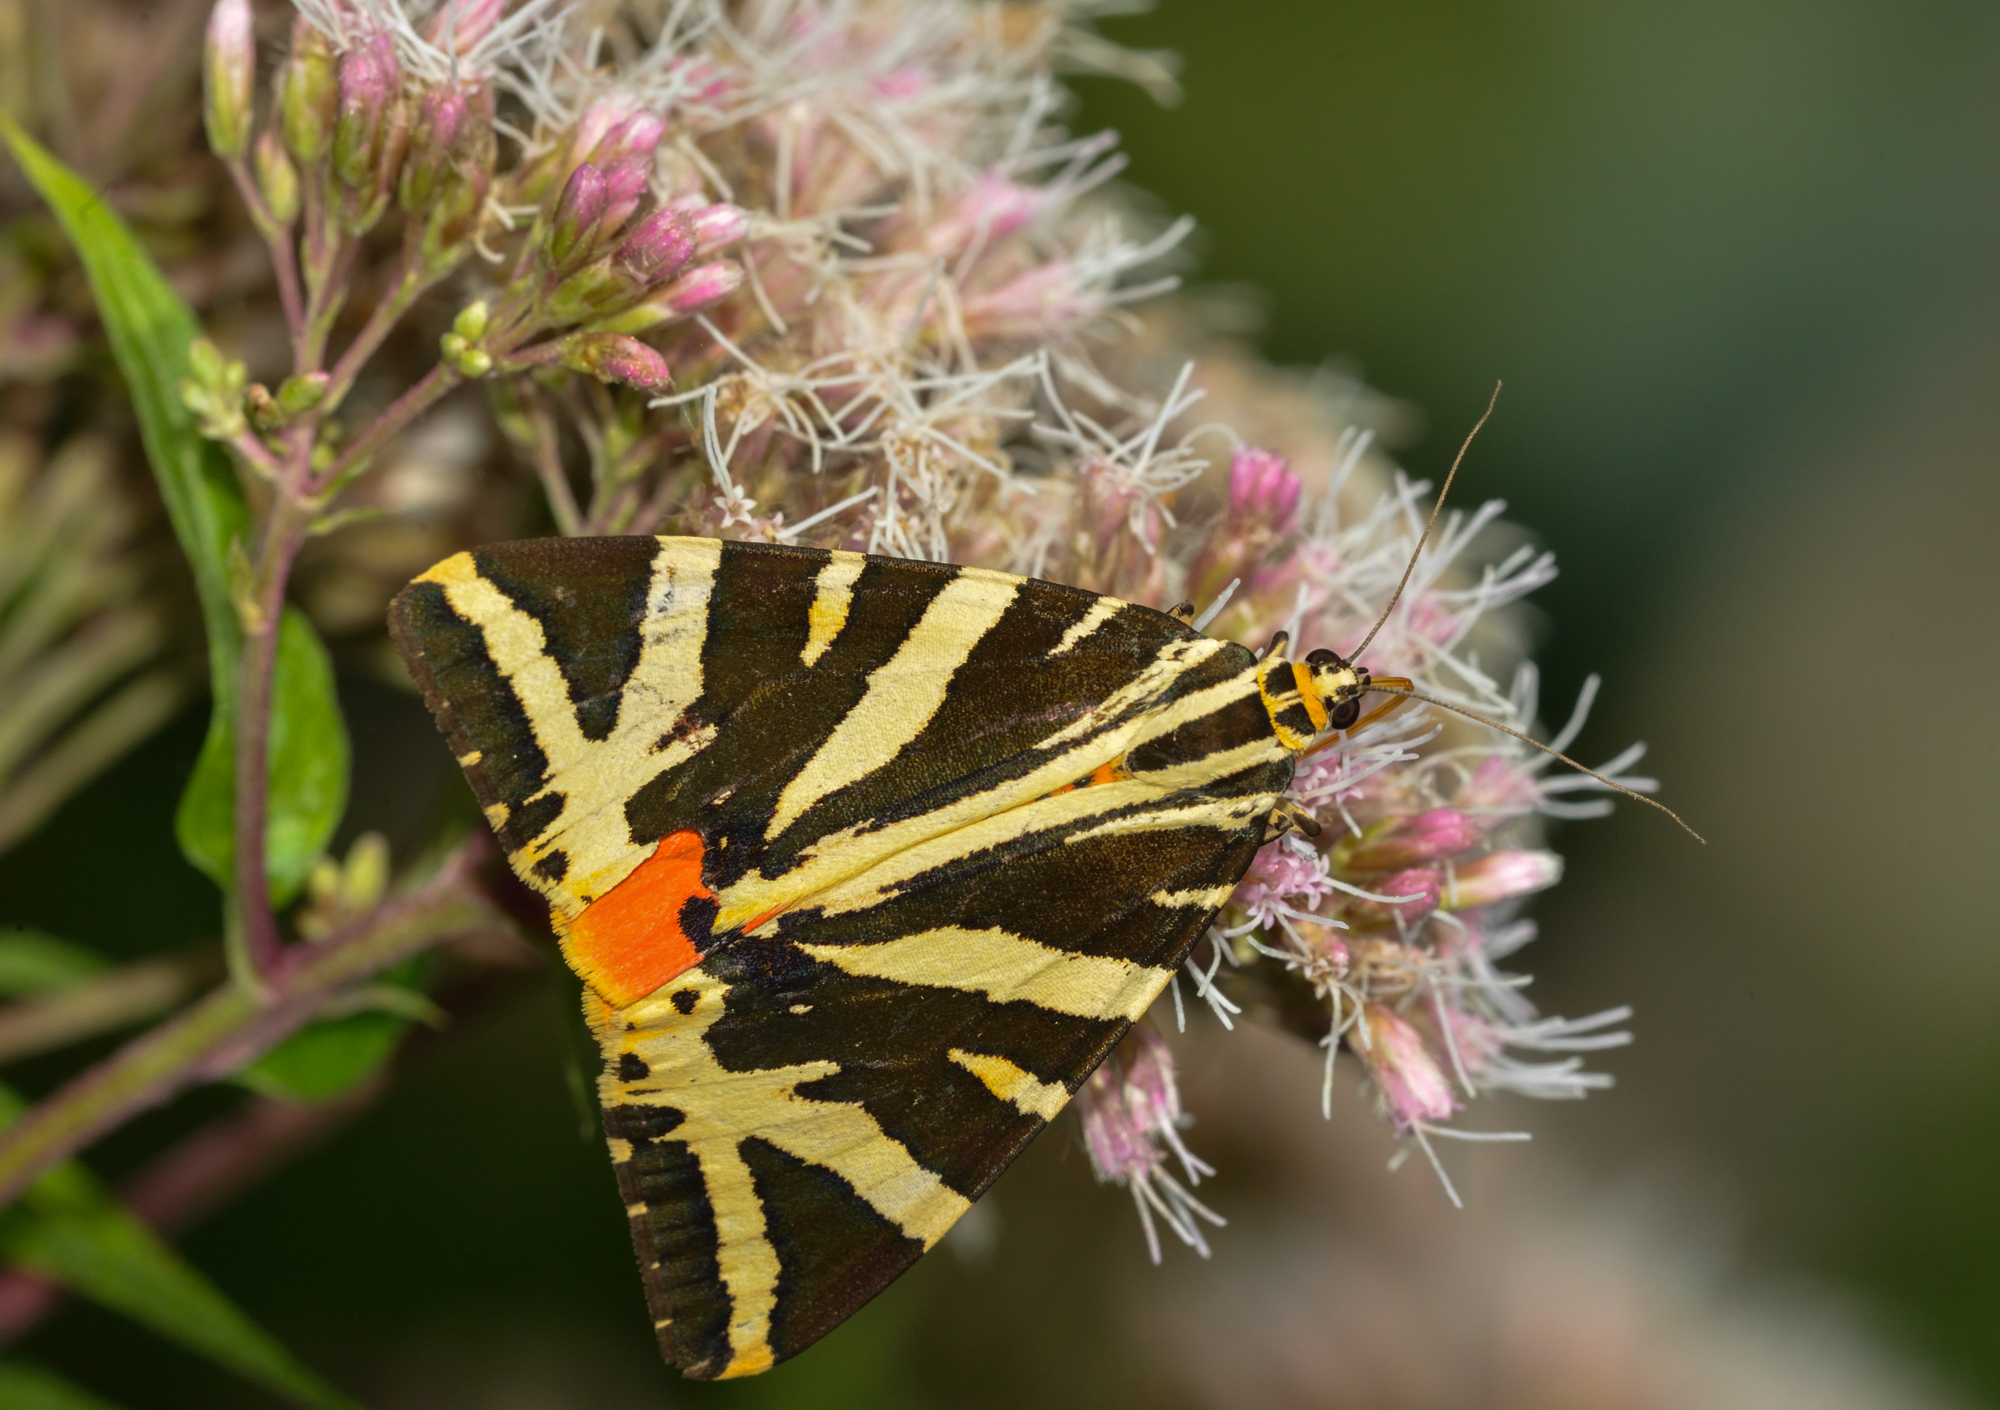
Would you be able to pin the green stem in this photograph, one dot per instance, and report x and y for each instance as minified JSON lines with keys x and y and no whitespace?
{"x":253,"y":934}
{"x":231,"y":1027}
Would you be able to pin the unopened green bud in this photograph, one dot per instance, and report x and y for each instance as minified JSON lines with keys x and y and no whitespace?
{"x":366,"y":875}
{"x":214,"y":390}
{"x":595,"y":289}
{"x":277,"y":178}
{"x":471,"y":321}
{"x":310,"y":96}
{"x":302,"y":393}
{"x":461,"y":356}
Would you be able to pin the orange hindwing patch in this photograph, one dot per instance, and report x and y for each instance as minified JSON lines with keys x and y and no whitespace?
{"x":647,"y":929}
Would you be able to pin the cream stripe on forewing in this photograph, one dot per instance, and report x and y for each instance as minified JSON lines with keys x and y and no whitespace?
{"x":1111,"y":731}
{"x":1010,"y":1083}
{"x":1224,"y":814}
{"x":903,"y":693}
{"x":1206,"y":899}
{"x":1101,"y":611}
{"x":1006,"y":968}
{"x":1219,"y":764}
{"x":1172,"y":661}
{"x":833,"y":596}
{"x":598,"y":777}
{"x":517,"y":645}
{"x":1044,"y":814}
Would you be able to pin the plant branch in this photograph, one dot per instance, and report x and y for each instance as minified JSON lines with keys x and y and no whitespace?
{"x":128,"y":994}
{"x":231,"y":1027}
{"x":395,"y":418}
{"x":253,"y":937}
{"x":411,"y":281}
{"x":284,"y":258}
{"x":546,"y":451}
{"x":246,"y":444}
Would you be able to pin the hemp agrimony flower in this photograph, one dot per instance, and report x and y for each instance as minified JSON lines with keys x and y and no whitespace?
{"x":834,"y":275}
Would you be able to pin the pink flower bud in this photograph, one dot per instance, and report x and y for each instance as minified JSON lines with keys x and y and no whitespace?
{"x":579,"y":210}
{"x":598,"y":119}
{"x":1422,"y":887}
{"x":1412,"y":1085}
{"x":1262,"y":488}
{"x":1414,"y":841}
{"x":370,"y":82}
{"x":618,"y":132}
{"x":717,"y":227}
{"x":624,"y":184}
{"x":614,"y":357}
{"x":1502,"y":876}
{"x":702,"y":286}
{"x":229,"y":71}
{"x":439,"y":118}
{"x":657,"y":249}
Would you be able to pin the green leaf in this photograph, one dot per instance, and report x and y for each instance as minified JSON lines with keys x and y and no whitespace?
{"x":26,"y":1386}
{"x":336,"y":1055}
{"x":150,"y":331}
{"x":68,"y":1229}
{"x":325,"y":1059}
{"x":309,"y":762}
{"x":32,"y":962}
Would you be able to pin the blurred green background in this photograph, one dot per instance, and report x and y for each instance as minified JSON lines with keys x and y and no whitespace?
{"x":1737,"y":265}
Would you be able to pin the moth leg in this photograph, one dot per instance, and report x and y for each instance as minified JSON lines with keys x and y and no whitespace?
{"x":1286,"y":816}
{"x":1296,"y":817}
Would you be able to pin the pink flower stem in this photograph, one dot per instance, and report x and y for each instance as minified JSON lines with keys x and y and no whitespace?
{"x":413,"y":277}
{"x":284,"y":258}
{"x":246,"y":444}
{"x":219,"y":1034}
{"x":546,"y":451}
{"x":395,"y":418}
{"x":409,"y":284}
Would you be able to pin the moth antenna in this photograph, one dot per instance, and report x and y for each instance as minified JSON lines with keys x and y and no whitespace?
{"x":1552,"y":753}
{"x":1411,"y":566}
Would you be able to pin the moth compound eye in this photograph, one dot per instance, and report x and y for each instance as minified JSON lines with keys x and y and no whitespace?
{"x":1344,"y":714}
{"x":1323,"y":657}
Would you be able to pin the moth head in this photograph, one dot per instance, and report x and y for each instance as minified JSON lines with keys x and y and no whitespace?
{"x":1339,"y":686}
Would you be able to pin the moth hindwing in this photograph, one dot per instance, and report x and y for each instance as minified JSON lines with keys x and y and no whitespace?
{"x":866,"y":863}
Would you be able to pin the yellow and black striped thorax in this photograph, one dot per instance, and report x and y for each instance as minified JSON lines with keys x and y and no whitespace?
{"x":867,"y":863}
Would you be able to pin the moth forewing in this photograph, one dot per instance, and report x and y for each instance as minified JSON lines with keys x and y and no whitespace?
{"x":867,"y":863}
